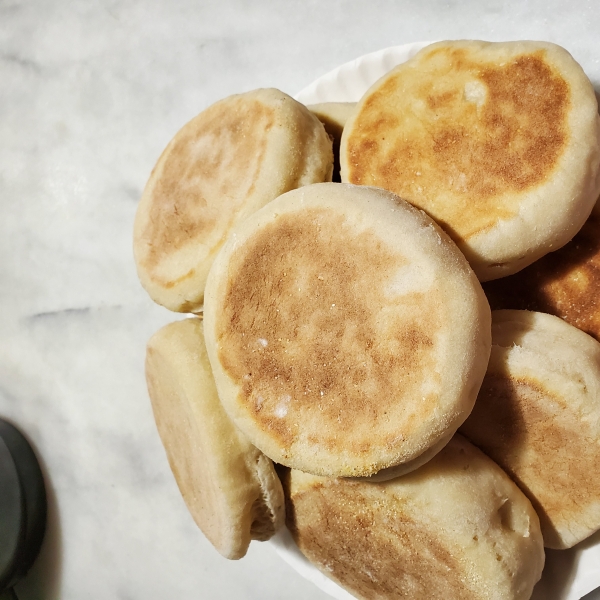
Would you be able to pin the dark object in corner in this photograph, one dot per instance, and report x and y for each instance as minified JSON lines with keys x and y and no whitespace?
{"x":22,"y":508}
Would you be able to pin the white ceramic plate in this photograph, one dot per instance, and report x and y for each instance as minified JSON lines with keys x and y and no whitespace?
{"x":569,"y":574}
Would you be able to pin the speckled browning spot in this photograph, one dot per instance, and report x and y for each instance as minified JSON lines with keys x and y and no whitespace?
{"x":354,"y":533}
{"x":310,"y":334}
{"x":541,"y":442}
{"x":565,"y":283}
{"x":454,"y":135}
{"x":210,"y":169}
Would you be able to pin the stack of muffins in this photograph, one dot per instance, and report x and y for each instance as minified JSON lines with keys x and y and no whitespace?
{"x":342,"y":371}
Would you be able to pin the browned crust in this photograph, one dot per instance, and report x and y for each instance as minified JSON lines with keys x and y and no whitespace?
{"x":565,"y":283}
{"x":356,"y":534}
{"x":226,"y":139}
{"x":225,"y":164}
{"x":456,"y":528}
{"x":454,"y":157}
{"x":542,"y":443}
{"x":301,"y":334}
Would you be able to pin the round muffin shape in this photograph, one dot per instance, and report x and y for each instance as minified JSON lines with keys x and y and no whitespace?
{"x":346,"y":332}
{"x":224,"y":164}
{"x":538,"y":416}
{"x":230,"y":488}
{"x":565,"y":283}
{"x":455,"y":529}
{"x":498,"y":142}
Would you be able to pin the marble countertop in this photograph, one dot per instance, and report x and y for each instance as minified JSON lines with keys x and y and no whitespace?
{"x":91,"y":93}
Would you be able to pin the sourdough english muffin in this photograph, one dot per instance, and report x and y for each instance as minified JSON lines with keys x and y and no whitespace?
{"x":565,"y":283}
{"x":538,"y":417}
{"x":333,"y":115}
{"x":230,"y":488}
{"x":230,"y":160}
{"x":455,"y":529}
{"x":498,"y":142}
{"x":346,"y":331}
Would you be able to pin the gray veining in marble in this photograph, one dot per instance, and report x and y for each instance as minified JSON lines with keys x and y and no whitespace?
{"x":90,"y":93}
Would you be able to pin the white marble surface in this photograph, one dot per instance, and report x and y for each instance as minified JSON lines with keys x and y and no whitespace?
{"x":90,"y":93}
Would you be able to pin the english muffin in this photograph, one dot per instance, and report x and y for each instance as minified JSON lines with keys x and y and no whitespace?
{"x":230,"y":160}
{"x":333,"y":115}
{"x":455,"y":529}
{"x":565,"y":283}
{"x":538,"y":417}
{"x":230,"y":488}
{"x":498,"y":142}
{"x":347,"y":333}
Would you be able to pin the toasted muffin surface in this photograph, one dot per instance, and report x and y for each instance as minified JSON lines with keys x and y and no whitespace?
{"x":538,"y":416}
{"x":496,"y":141}
{"x":456,"y":528}
{"x":230,"y":488}
{"x":564,"y":283}
{"x":224,"y":164}
{"x":346,"y":331}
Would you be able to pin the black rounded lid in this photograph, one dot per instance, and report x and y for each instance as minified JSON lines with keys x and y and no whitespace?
{"x":22,"y":506}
